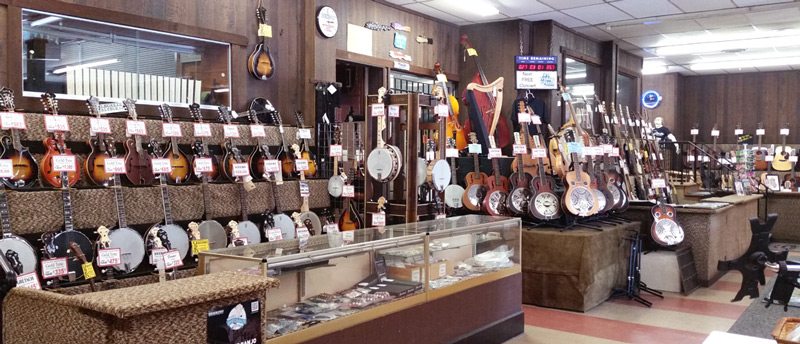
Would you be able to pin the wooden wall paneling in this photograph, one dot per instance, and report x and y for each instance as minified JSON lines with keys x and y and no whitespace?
{"x":541,"y":44}
{"x":671,"y":107}
{"x":610,"y":57}
{"x":4,"y":54}
{"x":781,"y":103}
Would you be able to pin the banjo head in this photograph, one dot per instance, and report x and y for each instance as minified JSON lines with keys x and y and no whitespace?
{"x":214,"y":232}
{"x":60,"y":248}
{"x":422,"y":171}
{"x":177,"y":237}
{"x":250,"y":231}
{"x":439,"y":174}
{"x":11,"y":245}
{"x":379,"y":164}
{"x":130,"y":244}
{"x":315,"y":223}
{"x":285,"y":223}
{"x":335,"y":185}
{"x":452,"y":196}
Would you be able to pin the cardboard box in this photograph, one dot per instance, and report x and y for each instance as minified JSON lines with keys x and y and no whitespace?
{"x":411,"y":273}
{"x":441,"y":269}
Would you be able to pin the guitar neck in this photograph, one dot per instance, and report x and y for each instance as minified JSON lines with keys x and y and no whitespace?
{"x":243,"y":200}
{"x":15,"y":140}
{"x":206,"y":201}
{"x":66,"y":198}
{"x":5,"y":219}
{"x":496,"y":170}
{"x":477,"y":167}
{"x":123,"y":222}
{"x":165,"y":200}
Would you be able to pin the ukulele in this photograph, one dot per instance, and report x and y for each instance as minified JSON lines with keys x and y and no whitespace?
{"x":305,"y":153}
{"x":305,"y":213}
{"x":476,"y":181}
{"x":454,"y":129}
{"x":229,"y":159}
{"x":25,"y":168}
{"x":55,"y":146}
{"x":178,"y":160}
{"x":520,"y":194}
{"x":246,"y":228}
{"x":57,"y":245}
{"x":126,"y":239}
{"x":209,"y":228}
{"x":544,"y":204}
{"x":138,"y":163}
{"x":665,"y":230}
{"x":453,"y":193}
{"x":202,"y":151}
{"x":337,"y":180}
{"x":171,"y":235}
{"x":760,"y":152}
{"x":781,"y":160}
{"x":102,"y":145}
{"x":260,"y":64}
{"x":261,"y":151}
{"x":18,"y":251}
{"x":76,"y":248}
{"x":486,"y":104}
{"x":278,"y":219}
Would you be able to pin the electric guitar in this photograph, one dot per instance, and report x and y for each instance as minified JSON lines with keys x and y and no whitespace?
{"x":202,"y":151}
{"x":55,"y":145}
{"x":180,"y":163}
{"x":25,"y":168}
{"x":476,"y":182}
{"x":102,"y":145}
{"x":138,"y":164}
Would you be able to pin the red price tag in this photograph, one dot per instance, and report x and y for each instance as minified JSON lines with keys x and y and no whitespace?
{"x":230,"y":130}
{"x":394,"y":110}
{"x":302,"y":233}
{"x":274,"y":234}
{"x":136,"y":128}
{"x":520,"y":149}
{"x":203,"y":165}
{"x":13,"y":120}
{"x":109,"y":257}
{"x":171,"y":130}
{"x":241,"y":169}
{"x":202,"y":130}
{"x":348,"y":191}
{"x":301,"y":164}
{"x":377,"y":110}
{"x":162,"y":165}
{"x":56,"y":267}
{"x":56,"y":123}
{"x":537,"y":153}
{"x":65,"y":163}
{"x":99,"y":126}
{"x":495,"y":153}
{"x":524,"y":117}
{"x":257,"y":130}
{"x":172,"y":259}
{"x":335,"y":151}
{"x":272,"y":165}
{"x":6,"y":168}
{"x":29,"y":280}
{"x":378,"y":220}
{"x":115,"y":166}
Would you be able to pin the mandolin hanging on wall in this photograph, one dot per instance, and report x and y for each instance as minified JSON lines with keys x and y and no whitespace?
{"x":261,"y":65}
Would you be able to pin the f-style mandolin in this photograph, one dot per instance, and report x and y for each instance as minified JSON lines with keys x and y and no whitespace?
{"x":102,"y":144}
{"x":138,"y":163}
{"x":25,"y":169}
{"x":55,"y":145}
{"x":180,"y":163}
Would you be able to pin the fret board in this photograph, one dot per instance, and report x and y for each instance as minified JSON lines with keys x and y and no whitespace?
{"x":206,"y":202}
{"x":5,"y":219}
{"x":165,"y":200}
{"x":67,"y":199}
{"x":123,"y":221}
{"x":243,"y":200}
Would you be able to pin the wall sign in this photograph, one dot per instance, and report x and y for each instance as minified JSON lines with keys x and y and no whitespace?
{"x":536,"y":72}
{"x":327,"y":21}
{"x":400,"y":40}
{"x":651,"y":99}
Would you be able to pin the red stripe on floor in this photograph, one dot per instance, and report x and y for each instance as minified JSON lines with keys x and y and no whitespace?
{"x":714,"y":309}
{"x":727,"y":286}
{"x":609,"y":329}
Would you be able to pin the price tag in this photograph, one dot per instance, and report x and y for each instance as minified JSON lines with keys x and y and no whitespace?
{"x":349,"y":236}
{"x":161,"y":165}
{"x":608,"y":120}
{"x":97,"y":126}
{"x":658,"y":183}
{"x":442,"y":110}
{"x":6,"y":168}
{"x":394,"y":110}
{"x":524,"y":117}
{"x":230,"y":130}
{"x":136,"y":128}
{"x":715,"y":133}
{"x":793,"y":158}
{"x":706,"y":159}
{"x":761,"y":132}
{"x":738,"y":132}
{"x":56,"y":267}
{"x":203,"y":165}
{"x":88,"y":270}
{"x":335,"y":151}
{"x":301,"y":164}
{"x":156,"y":254}
{"x":535,"y":119}
{"x":331,"y":228}
{"x":377,"y":109}
{"x":200,"y":246}
{"x":495,"y":153}
{"x":115,"y":166}
{"x":303,"y":133}
{"x":15,"y":120}
{"x":566,"y":97}
{"x":304,"y":189}
{"x":472,"y":52}
{"x":29,"y":280}
{"x":109,"y":257}
{"x":172,"y":259}
{"x":614,"y":153}
{"x":441,"y":78}
{"x":475,"y":148}
{"x":65,"y":163}
{"x":378,"y":220}
{"x":202,"y":130}
{"x":272,"y":165}
{"x":264,"y":30}
{"x":348,"y":191}
{"x":690,"y":158}
{"x":537,"y":153}
{"x":785,"y":131}
{"x":257,"y":130}
{"x":441,"y":216}
{"x":769,"y":158}
{"x":274,"y":234}
{"x":588,"y":151}
{"x":574,"y":148}
{"x":244,"y":240}
{"x":302,"y":232}
{"x":56,"y":123}
{"x":241,"y":169}
{"x":451,"y":152}
{"x":442,"y":269}
{"x":171,"y":130}
{"x":429,"y":155}
{"x":520,"y":149}
{"x":607,"y":149}
{"x":694,"y":132}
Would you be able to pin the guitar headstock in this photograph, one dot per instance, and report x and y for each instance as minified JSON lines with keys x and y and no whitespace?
{"x":715,"y":127}
{"x":194,"y":110}
{"x":50,"y":103}
{"x":297,"y":152}
{"x":337,"y":135}
{"x":237,"y":154}
{"x":473,"y":138}
{"x":197,"y":147}
{"x":7,"y":98}
{"x":261,"y":14}
{"x":102,"y":233}
{"x":438,"y":93}
{"x":224,"y":114}
{"x":381,"y":204}
{"x":194,"y":230}
{"x":130,"y":104}
{"x":381,"y":94}
{"x":431,"y":145}
{"x":276,"y":118}
{"x":760,"y":125}
{"x":300,"y":120}
{"x":155,"y":148}
{"x":165,"y":111}
{"x":739,"y":126}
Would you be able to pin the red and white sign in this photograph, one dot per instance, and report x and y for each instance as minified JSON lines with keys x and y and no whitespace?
{"x":65,"y":163}
{"x":377,"y":110}
{"x":202,"y":130}
{"x":171,"y":130}
{"x":56,"y":123}
{"x":29,"y":280}
{"x":451,"y":152}
{"x":135,"y":128}
{"x":715,"y":133}
{"x":230,"y":130}
{"x":302,"y":232}
{"x":495,"y":153}
{"x":524,"y":117}
{"x":785,"y":131}
{"x":109,"y":257}
{"x":56,"y":267}
{"x":12,"y":120}
{"x":378,"y":220}
{"x":658,"y":183}
{"x":272,"y":165}
{"x":115,"y":166}
{"x":274,"y":234}
{"x":6,"y":168}
{"x":394,"y":110}
{"x":335,"y":151}
{"x":535,"y":119}
{"x":520,"y":149}
{"x":331,"y":228}
{"x":203,"y":165}
{"x":348,"y":191}
{"x":442,"y":110}
{"x":301,"y":164}
{"x":241,"y":169}
{"x":349,"y":236}
{"x":172,"y":259}
{"x":156,"y":255}
{"x":257,"y":130}
{"x":99,"y":126}
{"x":607,"y":149}
{"x":537,"y":153}
{"x":162,"y":165}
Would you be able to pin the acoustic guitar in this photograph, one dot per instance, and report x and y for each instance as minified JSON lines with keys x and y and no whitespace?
{"x":102,"y":144}
{"x":180,"y":163}
{"x":760,"y":152}
{"x":528,"y":163}
{"x":25,"y":168}
{"x":350,"y":219}
{"x":665,"y":230}
{"x":476,"y":181}
{"x":55,"y":145}
{"x":202,"y":151}
{"x":520,"y":194}
{"x":544,"y":204}
{"x":138,"y":164}
{"x":260,"y":64}
{"x":17,"y":250}
{"x":578,"y":199}
{"x":781,"y":161}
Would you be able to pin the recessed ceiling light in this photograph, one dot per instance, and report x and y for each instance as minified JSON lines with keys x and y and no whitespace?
{"x":653,"y":70}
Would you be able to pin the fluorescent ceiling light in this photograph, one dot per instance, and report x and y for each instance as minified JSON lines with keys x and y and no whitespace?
{"x":746,"y":63}
{"x":46,"y":20}
{"x":479,"y":7}
{"x":576,"y":76}
{"x":569,"y":60}
{"x":652,"y":70}
{"x":85,"y":65}
{"x":711,"y":47}
{"x":222,"y":90}
{"x":740,"y":57}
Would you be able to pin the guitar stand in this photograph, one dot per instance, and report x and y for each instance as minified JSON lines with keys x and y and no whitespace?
{"x":586,"y":224}
{"x":635,"y":286}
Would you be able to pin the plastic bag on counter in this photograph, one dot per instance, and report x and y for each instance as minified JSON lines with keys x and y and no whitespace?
{"x":495,"y":259}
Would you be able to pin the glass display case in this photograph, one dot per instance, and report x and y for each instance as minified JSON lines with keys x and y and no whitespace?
{"x":337,"y":280}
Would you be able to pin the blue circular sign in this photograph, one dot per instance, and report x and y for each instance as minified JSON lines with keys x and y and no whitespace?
{"x":651,"y":99}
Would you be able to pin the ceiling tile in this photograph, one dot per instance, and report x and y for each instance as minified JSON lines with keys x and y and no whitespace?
{"x":676,"y":26}
{"x":718,"y":22}
{"x":678,"y":69}
{"x":774,"y":68}
{"x":644,"y":9}
{"x":596,"y":33}
{"x":562,"y":18}
{"x":710,"y":72}
{"x":627,"y":46}
{"x":633,"y":30}
{"x":777,"y":16}
{"x":702,"y":5}
{"x":597,"y":14}
{"x":456,"y":9}
{"x":645,"y":41}
{"x":519,"y":8}
{"x":742,"y":70}
{"x":433,"y":13}
{"x":744,"y":3}
{"x":780,"y":26}
{"x":561,"y":4}
{"x":401,"y":2}
{"x":643,"y":53}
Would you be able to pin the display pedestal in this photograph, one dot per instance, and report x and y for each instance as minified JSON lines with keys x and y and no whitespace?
{"x":683,"y":191}
{"x":661,"y":271}
{"x":575,"y":269}
{"x":786,"y":205}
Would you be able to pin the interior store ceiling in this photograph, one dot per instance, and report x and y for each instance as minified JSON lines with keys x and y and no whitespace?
{"x":691,"y":37}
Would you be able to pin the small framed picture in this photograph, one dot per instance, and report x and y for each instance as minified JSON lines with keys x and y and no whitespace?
{"x":739,"y":188}
{"x":773,"y":182}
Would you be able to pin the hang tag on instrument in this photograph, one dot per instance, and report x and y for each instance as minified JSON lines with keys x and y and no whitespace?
{"x":272,"y":165}
{"x":88,"y":270}
{"x":303,"y":133}
{"x":65,"y":163}
{"x":15,"y":120}
{"x":715,"y":133}
{"x":335,"y":151}
{"x":240,"y":169}
{"x":761,"y":132}
{"x":171,"y":130}
{"x":331,"y":228}
{"x":274,"y":234}
{"x":439,"y":217}
{"x":161,"y":165}
{"x":378,"y":220}
{"x":135,"y":128}
{"x":56,"y":123}
{"x":574,"y":148}
{"x":769,"y":158}
{"x":442,"y":110}
{"x":495,"y":153}
{"x":608,"y":120}
{"x":115,"y":166}
{"x":793,"y":158}
{"x":348,"y":191}
{"x":520,"y":149}
{"x":349,"y":236}
{"x":200,"y":246}
{"x":96,"y":126}
{"x":56,"y":267}
{"x":230,"y":130}
{"x":738,"y":132}
{"x":690,"y":158}
{"x":430,"y":155}
{"x":785,"y":131}
{"x":202,"y":130}
{"x":302,"y":232}
{"x":257,"y":130}
{"x":472,"y":52}
{"x":109,"y":257}
{"x":537,"y":153}
{"x":566,"y":97}
{"x":451,"y":153}
{"x":658,"y":183}
{"x":706,"y":159}
{"x":305,"y":191}
{"x":264,"y":30}
{"x":615,"y":153}
{"x":172,"y":259}
{"x":301,"y":164}
{"x":29,"y":280}
{"x":475,"y":148}
{"x":377,"y":109}
{"x":6,"y":168}
{"x":202,"y":165}
{"x":535,"y":119}
{"x":524,"y":117}
{"x":394,"y":111}
{"x":694,"y":132}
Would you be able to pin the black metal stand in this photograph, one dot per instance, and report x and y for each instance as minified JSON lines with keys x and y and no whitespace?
{"x":635,"y":286}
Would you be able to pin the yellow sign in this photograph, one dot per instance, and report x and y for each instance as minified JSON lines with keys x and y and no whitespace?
{"x":88,"y":270}
{"x":472,"y":52}
{"x":264,"y":30}
{"x":200,"y":246}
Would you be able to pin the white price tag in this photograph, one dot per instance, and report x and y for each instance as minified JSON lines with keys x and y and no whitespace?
{"x":301,"y":164}
{"x":394,"y":110}
{"x":156,"y":256}
{"x":769,"y":158}
{"x":793,"y":158}
{"x":171,"y":130}
{"x":29,"y":280}
{"x":14,"y":120}
{"x":56,"y":123}
{"x":303,"y":133}
{"x":135,"y":128}
{"x":658,"y":183}
{"x":348,"y":191}
{"x":537,"y":153}
{"x":524,"y":117}
{"x":172,"y":259}
{"x":441,"y":78}
{"x":109,"y":257}
{"x":607,"y":149}
{"x":614,"y":153}
{"x":442,"y":110}
{"x":694,"y":132}
{"x":785,"y":131}
{"x":203,"y":165}
{"x":430,"y":155}
{"x":760,"y":132}
{"x":274,"y":234}
{"x":302,"y":232}
{"x":495,"y":153}
{"x":475,"y":148}
{"x":161,"y":165}
{"x":65,"y":163}
{"x":415,"y":275}
{"x":202,"y":130}
{"x":272,"y":165}
{"x":331,"y":228}
{"x":377,"y":109}
{"x":520,"y":149}
{"x":706,"y":159}
{"x":349,"y":236}
{"x":56,"y":267}
{"x":442,"y":269}
{"x":257,"y":130}
{"x":230,"y":130}
{"x":97,"y":126}
{"x":305,"y":191}
{"x":115,"y":166}
{"x":335,"y":151}
{"x":535,"y":119}
{"x":690,"y":158}
{"x":451,"y":153}
{"x":441,"y":216}
{"x":241,"y":169}
{"x":378,"y":220}
{"x":738,"y":132}
{"x":6,"y":168}
{"x":715,"y":133}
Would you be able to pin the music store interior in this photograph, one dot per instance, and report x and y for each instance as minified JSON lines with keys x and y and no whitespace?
{"x":400,"y":171}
